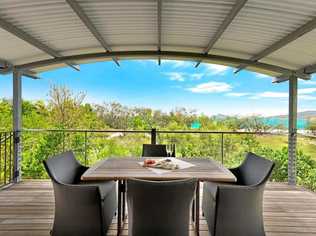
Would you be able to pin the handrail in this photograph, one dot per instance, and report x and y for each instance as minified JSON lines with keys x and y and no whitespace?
{"x":149,"y":131}
{"x":6,"y":158}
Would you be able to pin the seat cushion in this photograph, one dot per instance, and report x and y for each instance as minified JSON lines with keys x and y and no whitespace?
{"x":105,"y":186}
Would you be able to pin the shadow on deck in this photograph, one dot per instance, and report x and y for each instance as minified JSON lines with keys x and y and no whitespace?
{"x":27,"y":209}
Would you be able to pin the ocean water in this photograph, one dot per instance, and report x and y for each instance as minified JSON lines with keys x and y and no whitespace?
{"x":301,"y":123}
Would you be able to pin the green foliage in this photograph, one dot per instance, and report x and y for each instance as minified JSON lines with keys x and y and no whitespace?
{"x":66,"y":110}
{"x":312,"y":125}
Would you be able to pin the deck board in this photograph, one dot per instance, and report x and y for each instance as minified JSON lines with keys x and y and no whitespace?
{"x":27,"y":209}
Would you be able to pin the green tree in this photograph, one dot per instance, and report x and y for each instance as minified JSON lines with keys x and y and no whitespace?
{"x":312,"y":125}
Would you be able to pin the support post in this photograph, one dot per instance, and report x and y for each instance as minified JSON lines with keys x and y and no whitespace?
{"x":292,"y":130}
{"x":153,"y":136}
{"x":17,"y":124}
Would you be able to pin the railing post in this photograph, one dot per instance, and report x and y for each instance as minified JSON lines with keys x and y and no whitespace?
{"x":17,"y":124}
{"x":5,"y":158}
{"x":63,"y":141}
{"x":292,"y":130}
{"x":222,"y":147}
{"x":11,"y":174}
{"x":85,"y":148}
{"x":0,"y":156}
{"x":153,"y":136}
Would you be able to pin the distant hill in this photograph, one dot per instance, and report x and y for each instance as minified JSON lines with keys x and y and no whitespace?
{"x":300,"y":115}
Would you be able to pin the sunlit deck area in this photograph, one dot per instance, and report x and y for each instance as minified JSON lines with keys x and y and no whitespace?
{"x":27,"y":208}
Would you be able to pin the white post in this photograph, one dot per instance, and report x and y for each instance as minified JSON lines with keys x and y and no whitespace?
{"x":292,"y":130}
{"x":17,"y":124}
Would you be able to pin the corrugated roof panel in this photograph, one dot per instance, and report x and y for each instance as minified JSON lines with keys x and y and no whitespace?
{"x":51,"y":22}
{"x":124,"y":22}
{"x":297,"y":54}
{"x":192,"y":23}
{"x":187,"y":26}
{"x":261,"y":23}
{"x":17,"y":51}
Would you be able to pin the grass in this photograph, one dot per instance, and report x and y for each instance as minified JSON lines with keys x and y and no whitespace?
{"x":307,"y":145}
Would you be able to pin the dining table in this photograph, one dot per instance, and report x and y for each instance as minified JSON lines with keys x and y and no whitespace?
{"x":121,"y":169}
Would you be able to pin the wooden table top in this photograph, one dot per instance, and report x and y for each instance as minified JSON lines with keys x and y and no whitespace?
{"x":126,"y":168}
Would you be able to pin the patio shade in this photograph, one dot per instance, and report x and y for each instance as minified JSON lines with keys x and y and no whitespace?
{"x":272,"y":37}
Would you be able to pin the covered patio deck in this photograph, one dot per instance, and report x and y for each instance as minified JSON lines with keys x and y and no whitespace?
{"x":275,"y":38}
{"x":27,"y":208}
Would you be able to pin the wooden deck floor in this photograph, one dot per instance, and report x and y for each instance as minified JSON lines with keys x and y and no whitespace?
{"x":27,"y":209}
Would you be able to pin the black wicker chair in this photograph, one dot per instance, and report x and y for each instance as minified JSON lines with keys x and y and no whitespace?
{"x":159,"y":208}
{"x":236,"y":209}
{"x":81,"y":208}
{"x":154,"y":150}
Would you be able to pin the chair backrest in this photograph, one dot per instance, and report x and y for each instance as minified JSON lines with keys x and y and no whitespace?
{"x":154,"y":150}
{"x":255,"y":170}
{"x":63,"y":168}
{"x":159,"y":207}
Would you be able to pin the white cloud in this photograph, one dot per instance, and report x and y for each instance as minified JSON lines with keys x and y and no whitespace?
{"x":306,"y":97}
{"x":259,"y":75}
{"x":182,"y":76}
{"x":178,"y":64}
{"x":269,"y":94}
{"x":307,"y":82}
{"x":214,"y":69}
{"x":306,"y":90}
{"x":302,"y":94}
{"x":177,"y":76}
{"x":211,"y":87}
{"x":196,"y":76}
{"x":237,"y":94}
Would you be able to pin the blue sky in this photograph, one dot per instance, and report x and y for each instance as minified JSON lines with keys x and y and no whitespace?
{"x":209,"y":89}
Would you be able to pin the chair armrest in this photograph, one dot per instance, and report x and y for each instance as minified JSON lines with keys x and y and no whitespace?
{"x":78,"y":208}
{"x":240,"y":206}
{"x":79,"y":193}
{"x":233,"y":192}
{"x":84,"y":168}
{"x":235,"y":200}
{"x":235,"y":171}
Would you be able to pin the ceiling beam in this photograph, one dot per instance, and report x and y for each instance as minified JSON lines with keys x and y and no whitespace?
{"x":286,"y":77}
{"x":5,"y":66}
{"x":309,"y":26}
{"x":309,"y":69}
{"x":31,"y":74}
{"x":159,"y":7}
{"x":88,"y":23}
{"x":208,"y":58}
{"x":31,"y":40}
{"x":221,"y":29}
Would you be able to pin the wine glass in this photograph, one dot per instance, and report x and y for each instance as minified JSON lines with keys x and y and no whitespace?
{"x":169,"y":150}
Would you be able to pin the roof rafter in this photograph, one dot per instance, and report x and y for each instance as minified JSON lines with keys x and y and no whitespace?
{"x":31,"y":74}
{"x":31,"y":40}
{"x":221,"y":29}
{"x":208,"y":58}
{"x":309,"y":26}
{"x":87,"y":22}
{"x":159,"y":6}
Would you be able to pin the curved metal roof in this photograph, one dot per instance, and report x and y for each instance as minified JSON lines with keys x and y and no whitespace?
{"x":268,"y":36}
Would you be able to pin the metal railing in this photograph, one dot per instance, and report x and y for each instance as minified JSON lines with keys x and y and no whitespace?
{"x":92,"y":145}
{"x":6,"y":158}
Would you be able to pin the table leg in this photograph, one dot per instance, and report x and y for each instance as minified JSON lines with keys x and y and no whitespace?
{"x":119,"y":207}
{"x":197,"y":209}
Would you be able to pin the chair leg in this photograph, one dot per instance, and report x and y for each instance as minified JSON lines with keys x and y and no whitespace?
{"x":193,"y":211}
